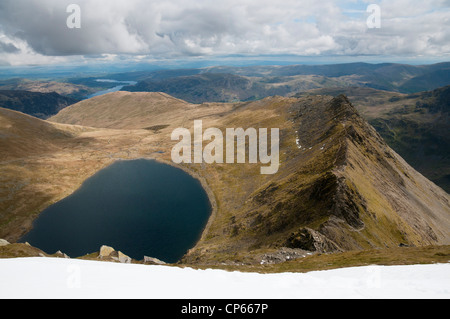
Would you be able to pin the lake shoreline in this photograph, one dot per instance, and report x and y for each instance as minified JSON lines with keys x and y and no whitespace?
{"x":204,"y":185}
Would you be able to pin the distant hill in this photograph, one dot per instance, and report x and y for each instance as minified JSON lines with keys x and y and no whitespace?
{"x":125,"y":110}
{"x":428,"y":81}
{"x":403,"y":78}
{"x":206,"y":87}
{"x":72,"y":90}
{"x":40,"y":105}
{"x":226,"y":87}
{"x":228,"y":84}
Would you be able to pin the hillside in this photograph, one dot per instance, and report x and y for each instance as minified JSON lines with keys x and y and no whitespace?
{"x":217,"y":87}
{"x":153,"y":111}
{"x":41,"y":105}
{"x":22,"y":134}
{"x":203,"y":88}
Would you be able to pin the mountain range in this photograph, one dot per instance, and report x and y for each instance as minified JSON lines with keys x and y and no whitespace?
{"x":228,"y":84}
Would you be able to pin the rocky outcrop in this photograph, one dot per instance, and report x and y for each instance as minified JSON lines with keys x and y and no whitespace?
{"x":110,"y":254}
{"x":284,"y":254}
{"x":311,"y":240}
{"x":61,"y":254}
{"x":153,"y":261}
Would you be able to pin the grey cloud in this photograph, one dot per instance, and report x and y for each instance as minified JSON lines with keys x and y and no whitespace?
{"x":8,"y":48}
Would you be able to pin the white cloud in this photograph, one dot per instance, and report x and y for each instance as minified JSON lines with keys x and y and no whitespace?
{"x":177,"y":28}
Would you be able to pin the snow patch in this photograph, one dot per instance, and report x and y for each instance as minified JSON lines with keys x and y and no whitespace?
{"x":69,"y":278}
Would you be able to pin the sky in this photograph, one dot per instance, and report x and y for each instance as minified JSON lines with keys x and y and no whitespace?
{"x":36,"y":32}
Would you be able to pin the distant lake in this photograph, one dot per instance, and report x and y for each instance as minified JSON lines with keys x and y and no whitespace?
{"x":118,"y":87}
{"x":140,"y":207}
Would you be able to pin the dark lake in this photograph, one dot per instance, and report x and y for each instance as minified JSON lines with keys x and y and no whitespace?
{"x":140,"y":207}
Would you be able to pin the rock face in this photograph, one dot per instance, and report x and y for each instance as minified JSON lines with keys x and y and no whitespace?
{"x":311,"y":240}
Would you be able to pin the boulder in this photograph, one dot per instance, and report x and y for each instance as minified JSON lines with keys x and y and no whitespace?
{"x":124,"y":258}
{"x":106,"y":251}
{"x":111,"y":253}
{"x":153,"y":261}
{"x":59,"y":253}
{"x":3,"y":242}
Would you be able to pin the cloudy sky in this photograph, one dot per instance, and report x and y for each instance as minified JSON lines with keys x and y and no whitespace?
{"x":36,"y":31}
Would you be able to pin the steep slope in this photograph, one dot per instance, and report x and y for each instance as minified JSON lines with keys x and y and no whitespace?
{"x":417,"y":127}
{"x":41,"y":105}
